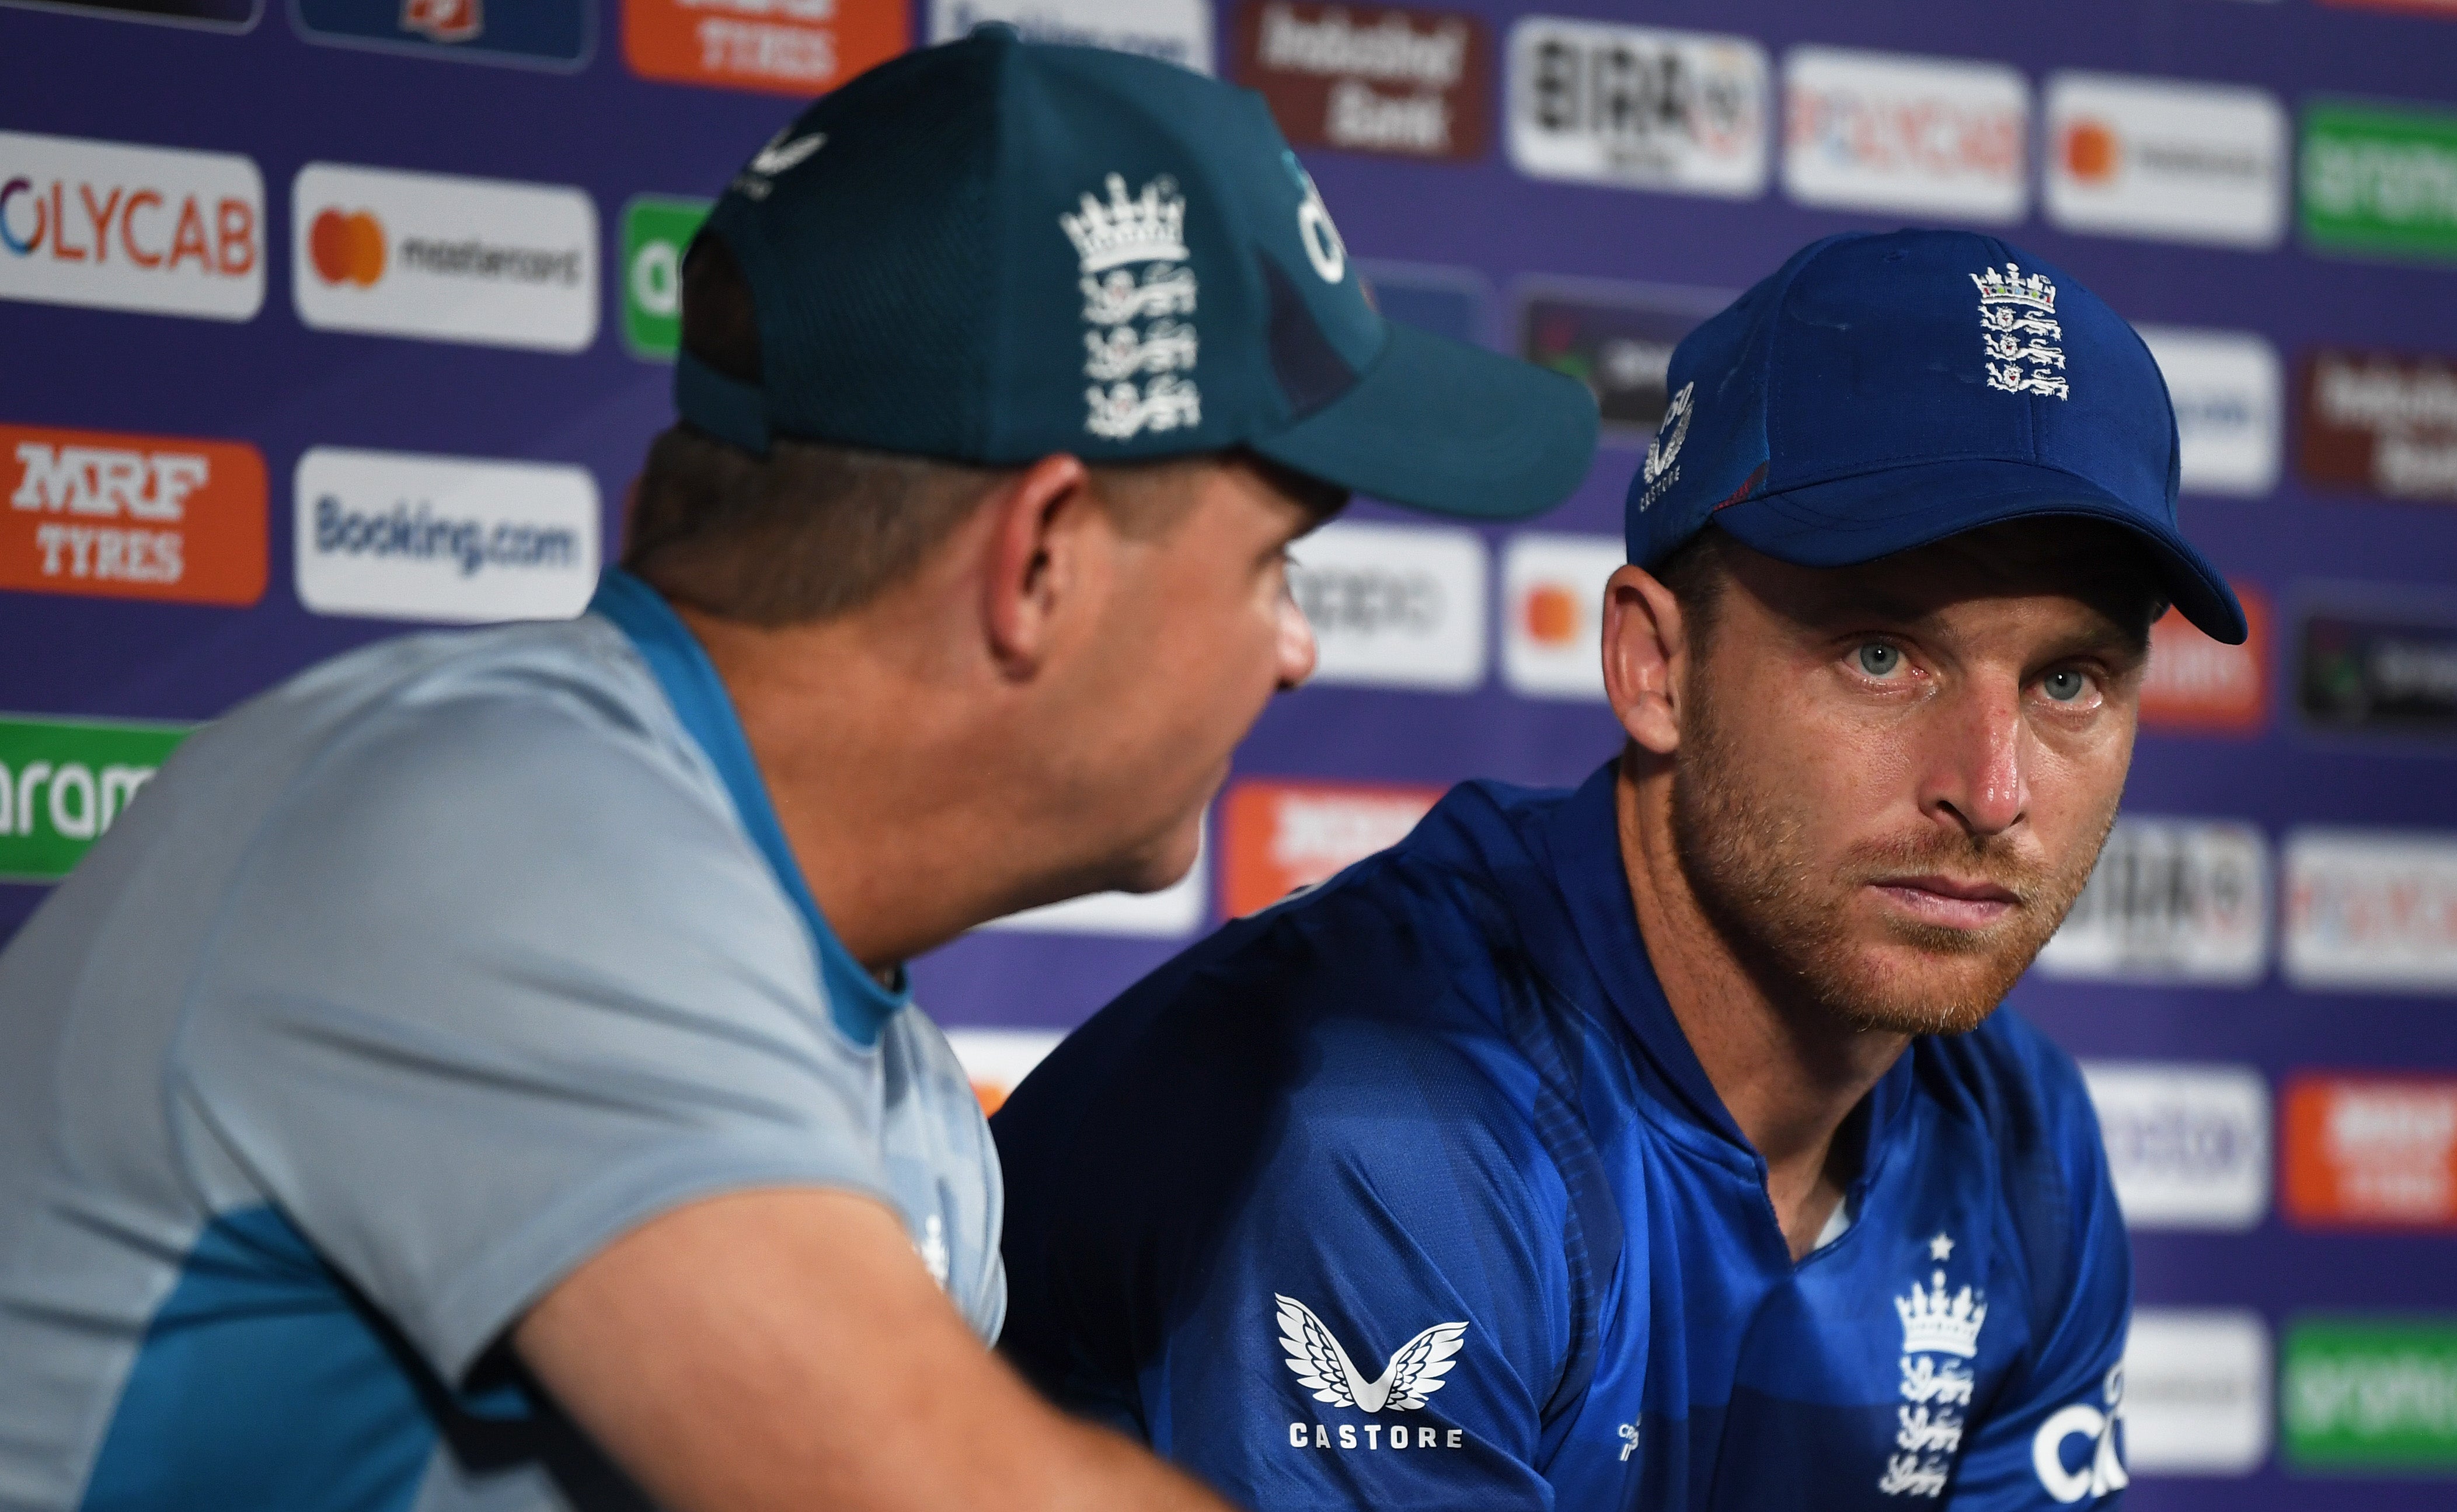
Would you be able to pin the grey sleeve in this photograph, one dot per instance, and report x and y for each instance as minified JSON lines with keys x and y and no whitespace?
{"x":500,"y":981}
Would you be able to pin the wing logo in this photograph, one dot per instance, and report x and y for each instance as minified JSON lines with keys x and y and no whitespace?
{"x":1322,"y":1366}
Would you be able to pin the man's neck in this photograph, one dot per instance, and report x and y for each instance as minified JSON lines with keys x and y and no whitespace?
{"x":867,"y":775}
{"x":1790,"y":1072}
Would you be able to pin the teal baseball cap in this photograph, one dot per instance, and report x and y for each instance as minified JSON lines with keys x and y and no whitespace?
{"x":991,"y":251}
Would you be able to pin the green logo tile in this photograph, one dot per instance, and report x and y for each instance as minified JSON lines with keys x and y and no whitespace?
{"x":62,"y":782}
{"x":2370,"y":1393}
{"x":655,"y":232}
{"x":2381,"y":180}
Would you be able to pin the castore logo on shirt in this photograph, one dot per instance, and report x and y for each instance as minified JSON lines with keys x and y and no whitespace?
{"x":1412,"y":1372}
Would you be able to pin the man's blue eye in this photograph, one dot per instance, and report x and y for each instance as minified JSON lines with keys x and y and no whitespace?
{"x":1877,"y":659}
{"x":2063,"y":687}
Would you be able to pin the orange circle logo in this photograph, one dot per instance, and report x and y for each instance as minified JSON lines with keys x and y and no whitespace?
{"x":347,"y":249}
{"x":2090,"y":150}
{"x":1551,"y":614}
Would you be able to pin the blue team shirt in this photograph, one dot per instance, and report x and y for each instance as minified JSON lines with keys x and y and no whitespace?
{"x":1411,"y":1193}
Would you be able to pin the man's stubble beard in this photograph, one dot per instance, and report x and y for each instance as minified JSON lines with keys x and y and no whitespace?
{"x":1741,"y":844}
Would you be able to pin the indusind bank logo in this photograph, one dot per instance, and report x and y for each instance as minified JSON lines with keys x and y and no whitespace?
{"x":117,"y":227}
{"x":445,"y":258}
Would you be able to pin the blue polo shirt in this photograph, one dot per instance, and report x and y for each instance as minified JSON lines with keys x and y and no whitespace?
{"x":1411,"y":1193}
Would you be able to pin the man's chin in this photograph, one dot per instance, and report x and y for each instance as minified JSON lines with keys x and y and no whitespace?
{"x":1945,"y":985}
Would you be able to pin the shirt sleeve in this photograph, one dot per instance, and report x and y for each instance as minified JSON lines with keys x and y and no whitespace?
{"x":501,"y":980}
{"x":2053,"y":1439}
{"x":1367,"y":1309}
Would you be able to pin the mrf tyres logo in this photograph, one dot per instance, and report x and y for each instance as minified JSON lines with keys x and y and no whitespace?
{"x":443,"y":258}
{"x":395,"y":536}
{"x":64,"y":782}
{"x":131,"y":517}
{"x":1639,"y":107}
{"x":1412,"y":1372}
{"x":114,"y":227}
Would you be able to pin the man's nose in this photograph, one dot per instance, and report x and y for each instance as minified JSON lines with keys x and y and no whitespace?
{"x":1977,"y":758}
{"x":1297,"y":652}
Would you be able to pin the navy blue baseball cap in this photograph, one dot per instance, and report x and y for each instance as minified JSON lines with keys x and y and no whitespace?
{"x":991,"y":251}
{"x":1884,"y":392}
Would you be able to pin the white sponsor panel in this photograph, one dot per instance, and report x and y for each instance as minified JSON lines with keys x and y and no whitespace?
{"x":2371,"y":909}
{"x":2228,"y":389}
{"x":1394,"y":606}
{"x":1895,"y":131}
{"x":999,"y":1059}
{"x":2173,"y":900}
{"x":2187,"y":1145}
{"x":399,"y":536}
{"x":444,"y":258}
{"x":1553,"y":598}
{"x":1173,"y":912}
{"x":2197,"y":1391}
{"x":2166,"y":159}
{"x":1175,"y":31}
{"x":1639,"y":107}
{"x":112,"y":226}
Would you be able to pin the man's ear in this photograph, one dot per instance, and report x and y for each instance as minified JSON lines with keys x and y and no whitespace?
{"x":1646,"y":652}
{"x":1043,"y":553}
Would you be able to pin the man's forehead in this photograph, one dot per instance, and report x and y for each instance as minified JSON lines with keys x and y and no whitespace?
{"x":2102,"y":566}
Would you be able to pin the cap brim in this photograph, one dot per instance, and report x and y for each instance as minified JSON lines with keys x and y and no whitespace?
{"x":1849,"y":520}
{"x":1440,"y":425}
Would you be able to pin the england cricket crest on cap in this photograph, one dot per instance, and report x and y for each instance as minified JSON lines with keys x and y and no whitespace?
{"x":1130,"y":256}
{"x":1940,"y":1334}
{"x":2017,"y":326}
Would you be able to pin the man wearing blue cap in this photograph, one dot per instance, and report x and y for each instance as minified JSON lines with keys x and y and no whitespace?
{"x":1657,"y":1144}
{"x":481,"y":1074}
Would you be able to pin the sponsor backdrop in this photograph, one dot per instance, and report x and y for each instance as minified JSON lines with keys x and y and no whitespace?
{"x":327,"y":320}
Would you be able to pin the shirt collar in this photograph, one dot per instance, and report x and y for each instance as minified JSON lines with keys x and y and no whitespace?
{"x":1579,"y":841}
{"x":855,"y":1000}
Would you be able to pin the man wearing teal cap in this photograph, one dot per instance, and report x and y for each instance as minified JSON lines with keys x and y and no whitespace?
{"x":480,"y":1073}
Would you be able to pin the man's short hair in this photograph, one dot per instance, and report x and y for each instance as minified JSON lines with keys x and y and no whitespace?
{"x":813,"y":530}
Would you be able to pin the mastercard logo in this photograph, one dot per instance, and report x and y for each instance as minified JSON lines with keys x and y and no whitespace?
{"x":1550,"y":614}
{"x":347,"y":248}
{"x":2091,"y":150}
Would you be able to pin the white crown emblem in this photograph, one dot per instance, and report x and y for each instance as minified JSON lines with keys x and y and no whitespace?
{"x":2012,"y":287}
{"x":1932,"y":1323}
{"x":1148,"y":228}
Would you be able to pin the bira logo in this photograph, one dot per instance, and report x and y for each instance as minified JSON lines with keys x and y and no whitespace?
{"x":131,"y":517}
{"x":114,"y":227}
{"x":1134,"y":331}
{"x":2017,"y":326}
{"x":1940,"y":1334}
{"x":1413,"y":1372}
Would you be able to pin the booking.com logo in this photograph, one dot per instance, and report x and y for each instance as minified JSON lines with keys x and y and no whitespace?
{"x":347,"y":248}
